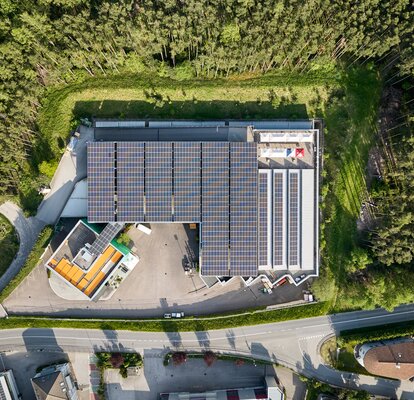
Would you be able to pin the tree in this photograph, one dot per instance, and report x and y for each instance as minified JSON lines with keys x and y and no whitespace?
{"x":209,"y":358}
{"x":179,"y":358}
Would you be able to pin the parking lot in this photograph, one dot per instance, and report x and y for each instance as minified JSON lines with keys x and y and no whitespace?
{"x":193,"y":376}
{"x":157,"y":285}
{"x":25,"y":364}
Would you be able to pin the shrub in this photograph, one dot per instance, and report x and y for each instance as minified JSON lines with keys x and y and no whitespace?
{"x":179,"y":357}
{"x":209,"y":358}
{"x":117,"y":359}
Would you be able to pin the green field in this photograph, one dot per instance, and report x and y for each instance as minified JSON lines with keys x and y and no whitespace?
{"x":149,"y":96}
{"x":9,"y":244}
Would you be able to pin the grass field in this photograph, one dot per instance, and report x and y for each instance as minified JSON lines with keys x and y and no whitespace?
{"x":268,"y":96}
{"x":9,"y":244}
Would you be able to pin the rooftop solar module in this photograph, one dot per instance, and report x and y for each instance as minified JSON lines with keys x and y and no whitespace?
{"x":293,"y":218}
{"x":105,"y":237}
{"x":101,"y":181}
{"x":279,"y":237}
{"x":243,"y":209}
{"x":158,"y":181}
{"x":130,"y":181}
{"x":215,"y":209}
{"x":265,"y":218}
{"x":187,"y":185}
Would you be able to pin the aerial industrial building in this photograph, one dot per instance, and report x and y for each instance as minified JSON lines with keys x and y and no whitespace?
{"x":251,"y":185}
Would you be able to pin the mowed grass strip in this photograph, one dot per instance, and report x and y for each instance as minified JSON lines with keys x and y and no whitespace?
{"x":148,"y":96}
{"x":169,"y":325}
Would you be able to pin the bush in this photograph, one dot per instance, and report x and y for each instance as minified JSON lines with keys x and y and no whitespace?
{"x":209,"y":358}
{"x":48,"y":168}
{"x":117,"y":359}
{"x":179,"y":357}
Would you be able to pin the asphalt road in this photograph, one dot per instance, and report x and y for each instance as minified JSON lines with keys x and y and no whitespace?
{"x":292,"y":343}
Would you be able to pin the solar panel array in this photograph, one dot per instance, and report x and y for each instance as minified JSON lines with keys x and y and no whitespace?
{"x":214,"y":183}
{"x":278,"y":228}
{"x":215,"y":211}
{"x":105,"y":237}
{"x":158,"y":181}
{"x":243,"y":209}
{"x":101,"y":182}
{"x":130,"y":181}
{"x":187,"y":185}
{"x":293,"y":218}
{"x":263,"y":211}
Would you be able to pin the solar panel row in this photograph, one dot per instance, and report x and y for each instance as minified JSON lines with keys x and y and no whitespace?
{"x":187,"y":167}
{"x":105,"y":237}
{"x":130,"y":181}
{"x":215,"y":212}
{"x":158,"y":181}
{"x":293,"y":218}
{"x":264,"y":215}
{"x":279,"y":188}
{"x":243,"y":209}
{"x":101,"y":176}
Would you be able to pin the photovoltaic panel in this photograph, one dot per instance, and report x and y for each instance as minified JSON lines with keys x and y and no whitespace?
{"x":101,"y":176}
{"x":158,"y":181}
{"x":243,"y":209}
{"x":279,"y":237}
{"x":215,"y":208}
{"x":105,"y":237}
{"x":187,"y":159}
{"x":293,"y":218}
{"x":130,"y":181}
{"x":265,"y":218}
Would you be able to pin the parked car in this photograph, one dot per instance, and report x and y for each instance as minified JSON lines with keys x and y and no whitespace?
{"x":282,"y":282}
{"x":177,"y":314}
{"x":167,"y":315}
{"x":300,"y":278}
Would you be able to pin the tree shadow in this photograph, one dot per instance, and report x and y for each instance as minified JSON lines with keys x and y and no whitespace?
{"x":203,"y":337}
{"x":231,"y":338}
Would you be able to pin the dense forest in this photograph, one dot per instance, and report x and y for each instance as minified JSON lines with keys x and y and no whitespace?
{"x":47,"y":44}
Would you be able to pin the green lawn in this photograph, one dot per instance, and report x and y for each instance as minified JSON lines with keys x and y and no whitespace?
{"x":147,"y":96}
{"x":9,"y":244}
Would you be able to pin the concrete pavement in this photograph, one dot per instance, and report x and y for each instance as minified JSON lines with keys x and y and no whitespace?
{"x":71,"y":169}
{"x":292,"y":344}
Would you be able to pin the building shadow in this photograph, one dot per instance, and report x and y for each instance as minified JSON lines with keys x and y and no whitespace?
{"x":190,"y":109}
{"x":40,"y":340}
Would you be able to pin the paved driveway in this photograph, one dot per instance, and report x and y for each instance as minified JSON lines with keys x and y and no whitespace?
{"x":28,"y":230}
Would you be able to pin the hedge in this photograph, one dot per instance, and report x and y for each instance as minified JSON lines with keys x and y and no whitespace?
{"x":169,"y":325}
{"x":375,"y":333}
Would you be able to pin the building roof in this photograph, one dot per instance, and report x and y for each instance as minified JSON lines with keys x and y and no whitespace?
{"x":81,"y":267}
{"x":393,"y":360}
{"x":50,"y":387}
{"x":249,"y":221}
